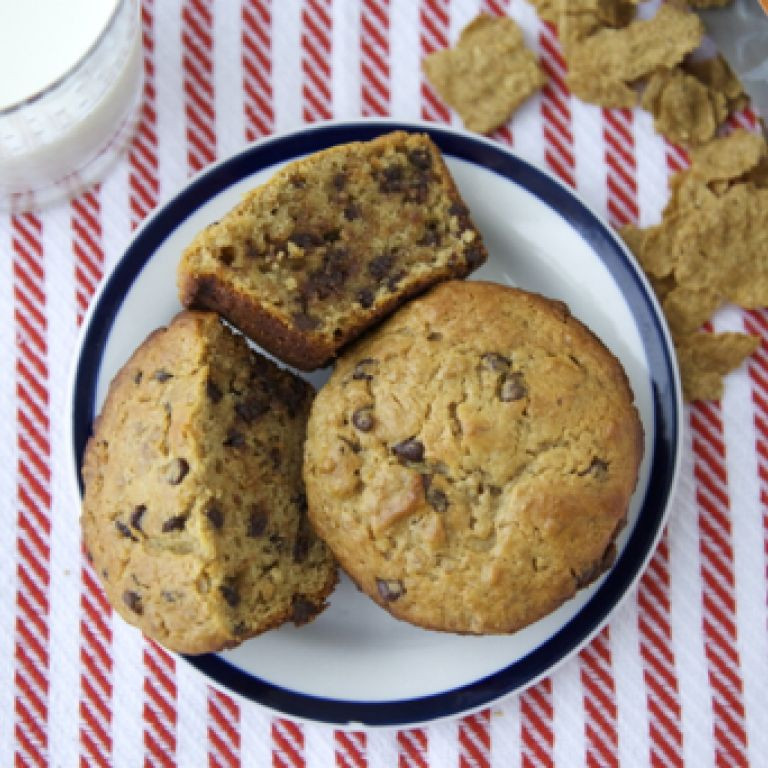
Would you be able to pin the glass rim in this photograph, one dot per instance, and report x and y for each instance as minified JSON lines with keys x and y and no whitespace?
{"x":37,"y":96}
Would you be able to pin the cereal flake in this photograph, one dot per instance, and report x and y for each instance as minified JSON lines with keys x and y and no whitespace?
{"x":487,"y":75}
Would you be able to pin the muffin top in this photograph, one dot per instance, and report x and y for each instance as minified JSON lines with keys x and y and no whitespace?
{"x":471,"y":461}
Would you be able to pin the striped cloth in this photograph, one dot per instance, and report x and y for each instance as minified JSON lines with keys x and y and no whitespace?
{"x":676,"y":678}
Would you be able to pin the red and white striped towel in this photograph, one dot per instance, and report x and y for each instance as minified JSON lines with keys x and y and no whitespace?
{"x":677,"y":676}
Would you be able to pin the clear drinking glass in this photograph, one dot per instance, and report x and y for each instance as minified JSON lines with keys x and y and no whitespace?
{"x":66,"y":135}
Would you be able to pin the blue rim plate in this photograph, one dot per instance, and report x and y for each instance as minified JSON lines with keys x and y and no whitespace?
{"x":540,"y":237}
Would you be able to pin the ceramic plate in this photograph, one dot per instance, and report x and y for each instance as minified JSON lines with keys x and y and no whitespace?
{"x":355,"y":664}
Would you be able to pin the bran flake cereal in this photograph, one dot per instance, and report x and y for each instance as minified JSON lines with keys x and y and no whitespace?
{"x":725,"y":247}
{"x":718,"y":76}
{"x":603,"y":66}
{"x":487,"y":75}
{"x":706,"y":357}
{"x":683,"y":108}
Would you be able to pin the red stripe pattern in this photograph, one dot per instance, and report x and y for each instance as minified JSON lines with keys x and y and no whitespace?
{"x":351,"y":749}
{"x":197,"y":62}
{"x":655,"y":640}
{"x":718,"y":585}
{"x":602,"y":741}
{"x":475,"y":740}
{"x":537,"y":736}
{"x":257,"y":68}
{"x":287,"y":744}
{"x":716,"y":567}
{"x":412,"y":749}
{"x":620,"y":160}
{"x":555,"y":108}
{"x":601,"y":731}
{"x":662,"y":695}
{"x":160,"y":695}
{"x":374,"y":58}
{"x":33,"y":531}
{"x":95,"y":613}
{"x":223,"y":731}
{"x":142,"y":155}
{"x":434,"y":25}
{"x":495,"y":7}
{"x":316,"y":33}
{"x":757,"y":323}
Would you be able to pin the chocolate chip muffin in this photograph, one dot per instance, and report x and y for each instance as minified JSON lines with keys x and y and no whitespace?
{"x":332,"y":243}
{"x":470,"y":462}
{"x":194,"y":512}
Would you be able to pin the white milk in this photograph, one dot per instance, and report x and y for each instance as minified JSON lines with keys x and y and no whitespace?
{"x":68,"y":95}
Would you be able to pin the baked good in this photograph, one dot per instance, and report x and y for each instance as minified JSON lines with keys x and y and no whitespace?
{"x":471,"y":460}
{"x":330,"y":244}
{"x":194,"y":512}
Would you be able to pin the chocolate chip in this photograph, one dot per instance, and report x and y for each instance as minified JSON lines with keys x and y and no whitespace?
{"x":133,"y":601}
{"x":363,"y":419}
{"x":495,"y":362}
{"x":124,"y":530}
{"x":512,"y":388}
{"x":227,"y":255}
{"x":137,"y":377}
{"x":257,"y":522}
{"x":437,"y":499}
{"x":353,"y":446}
{"x":177,"y":471}
{"x":597,"y":467}
{"x":421,"y":158}
{"x":249,"y":410}
{"x":304,"y":321}
{"x":365,"y":298}
{"x":234,"y":439}
{"x":302,"y":610}
{"x":230,"y":595}
{"x":458,"y":209}
{"x":300,"y":500}
{"x":305,"y":239}
{"x":212,"y":391}
{"x":214,"y":514}
{"x":275,"y":457}
{"x":352,"y":212}
{"x":391,"y":179}
{"x":175,"y":523}
{"x":474,"y":255}
{"x":240,"y":628}
{"x":393,"y":281}
{"x":390,"y":589}
{"x":380,"y":266}
{"x":362,"y":369}
{"x":300,"y":548}
{"x":293,"y":394}
{"x":161,"y":375}
{"x":339,"y":181}
{"x":431,"y":236}
{"x":409,"y":450}
{"x":417,"y":192}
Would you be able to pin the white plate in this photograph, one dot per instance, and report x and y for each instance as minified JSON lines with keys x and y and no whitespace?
{"x":355,"y":663}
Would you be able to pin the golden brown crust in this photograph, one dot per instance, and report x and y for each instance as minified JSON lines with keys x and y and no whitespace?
{"x":194,"y":514}
{"x":331,"y":244}
{"x":471,"y":461}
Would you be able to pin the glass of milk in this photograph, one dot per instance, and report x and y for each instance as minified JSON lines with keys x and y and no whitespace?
{"x":69,"y":94}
